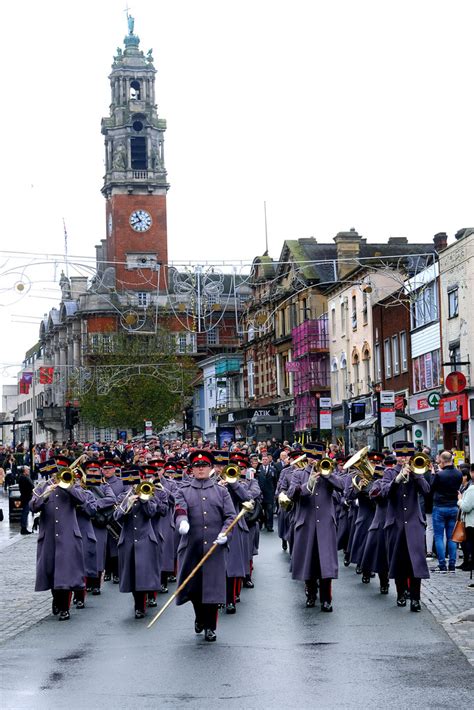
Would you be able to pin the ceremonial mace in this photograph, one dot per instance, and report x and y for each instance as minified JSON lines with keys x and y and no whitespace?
{"x":247,"y":506}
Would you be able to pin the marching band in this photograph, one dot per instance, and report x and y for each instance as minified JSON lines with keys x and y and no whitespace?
{"x":197,"y":522}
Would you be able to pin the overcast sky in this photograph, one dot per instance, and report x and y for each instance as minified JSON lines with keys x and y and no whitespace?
{"x":349,"y":113}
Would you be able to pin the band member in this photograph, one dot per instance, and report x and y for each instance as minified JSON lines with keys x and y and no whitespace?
{"x":314,"y":556}
{"x":286,"y":509}
{"x":248,"y":480}
{"x":59,"y":559}
{"x":365,"y":516}
{"x":110,"y":470}
{"x":375,"y":558}
{"x":85,"y":513}
{"x":404,"y":527}
{"x":138,"y":547}
{"x":203,"y":512}
{"x":102,"y":520}
{"x":238,"y":560}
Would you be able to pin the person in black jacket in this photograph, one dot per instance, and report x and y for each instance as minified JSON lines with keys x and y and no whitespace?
{"x":266,"y":477}
{"x":26,"y":493}
{"x":445,"y":484}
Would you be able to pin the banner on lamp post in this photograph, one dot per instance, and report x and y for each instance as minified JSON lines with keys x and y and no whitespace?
{"x":325,"y":413}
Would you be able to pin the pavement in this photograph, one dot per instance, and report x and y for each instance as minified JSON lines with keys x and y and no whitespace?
{"x":273,"y":653}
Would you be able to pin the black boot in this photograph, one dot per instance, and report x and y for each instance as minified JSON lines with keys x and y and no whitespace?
{"x":210,"y":635}
{"x":415,"y":605}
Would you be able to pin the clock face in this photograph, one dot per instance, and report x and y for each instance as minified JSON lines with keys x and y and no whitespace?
{"x":110,"y":223}
{"x":140,"y":220}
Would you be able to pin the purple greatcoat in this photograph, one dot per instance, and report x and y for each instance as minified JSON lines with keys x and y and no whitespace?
{"x":315,"y":526}
{"x":104,"y":499}
{"x":167,"y":528}
{"x":89,"y":541}
{"x":344,"y":514}
{"x":118,"y":489}
{"x":284,"y":519}
{"x":251,"y":484}
{"x":404,"y":525}
{"x":238,"y":559}
{"x":375,"y":557}
{"x":138,"y":547}
{"x":164,"y":498}
{"x":209,"y":511}
{"x":365,"y":515}
{"x":59,"y":557}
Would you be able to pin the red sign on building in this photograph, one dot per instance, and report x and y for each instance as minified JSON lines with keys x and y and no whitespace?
{"x":451,"y":407}
{"x":456,"y":382}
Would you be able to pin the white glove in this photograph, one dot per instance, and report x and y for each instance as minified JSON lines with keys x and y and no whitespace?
{"x":183,"y":527}
{"x":400,"y":477}
{"x":221,"y":539}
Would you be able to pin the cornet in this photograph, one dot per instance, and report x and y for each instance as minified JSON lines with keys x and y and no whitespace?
{"x":63,"y":479}
{"x":419,"y":464}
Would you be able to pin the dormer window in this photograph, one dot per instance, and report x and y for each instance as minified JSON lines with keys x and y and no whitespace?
{"x":135,"y":90}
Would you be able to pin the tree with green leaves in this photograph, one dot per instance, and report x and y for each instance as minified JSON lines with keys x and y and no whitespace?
{"x":129,"y":378}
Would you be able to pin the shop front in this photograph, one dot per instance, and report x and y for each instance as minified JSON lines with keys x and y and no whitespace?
{"x":454,"y":416}
{"x":427,"y":430}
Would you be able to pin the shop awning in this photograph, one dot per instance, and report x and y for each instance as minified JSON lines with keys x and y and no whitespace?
{"x":366,"y":423}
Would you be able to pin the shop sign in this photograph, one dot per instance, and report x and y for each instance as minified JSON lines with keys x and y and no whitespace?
{"x":452,"y":407}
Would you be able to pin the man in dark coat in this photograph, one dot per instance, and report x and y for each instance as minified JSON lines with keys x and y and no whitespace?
{"x":203,"y":512}
{"x":315,"y":545}
{"x":110,"y":469}
{"x":26,"y":486}
{"x":138,"y":547}
{"x":59,"y":558}
{"x":266,"y":477}
{"x":404,"y":526}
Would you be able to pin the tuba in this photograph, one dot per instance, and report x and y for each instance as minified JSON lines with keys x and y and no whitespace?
{"x":362,"y":464}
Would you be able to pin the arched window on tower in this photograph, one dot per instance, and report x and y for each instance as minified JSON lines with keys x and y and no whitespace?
{"x":135,"y":90}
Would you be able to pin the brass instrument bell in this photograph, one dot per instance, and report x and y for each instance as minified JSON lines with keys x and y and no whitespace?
{"x":230,"y":473}
{"x":419,"y":464}
{"x":361,"y":463}
{"x":325,"y":466}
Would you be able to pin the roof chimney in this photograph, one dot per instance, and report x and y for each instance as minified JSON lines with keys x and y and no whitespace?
{"x":440,"y":241}
{"x":347,"y":251}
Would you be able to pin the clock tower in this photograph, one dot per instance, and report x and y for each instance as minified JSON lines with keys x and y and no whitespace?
{"x":135,"y":183}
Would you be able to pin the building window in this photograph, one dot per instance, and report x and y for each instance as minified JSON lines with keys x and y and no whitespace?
{"x":388,"y":358}
{"x":212,"y":299}
{"x":425,"y":306}
{"x":251,"y":378}
{"x":354,"y":313}
{"x":454,"y":354}
{"x":333,"y":322}
{"x":212,"y":337}
{"x":139,"y":156}
{"x":426,"y":371}
{"x":143,"y":298}
{"x":378,"y":363}
{"x":453,"y":302}
{"x":182,"y":342}
{"x":403,"y":351}
{"x":343,"y":318}
{"x":365,"y":307}
{"x":395,"y":355}
{"x":107,"y":344}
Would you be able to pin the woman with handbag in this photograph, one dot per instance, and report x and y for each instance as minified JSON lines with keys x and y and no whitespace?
{"x":466,"y":508}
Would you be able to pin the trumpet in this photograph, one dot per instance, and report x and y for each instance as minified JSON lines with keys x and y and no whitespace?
{"x":145,"y":489}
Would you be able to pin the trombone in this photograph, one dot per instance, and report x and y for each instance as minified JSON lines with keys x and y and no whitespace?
{"x":230,"y":473}
{"x":419,"y":464}
{"x":61,"y":479}
{"x":144,"y":490}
